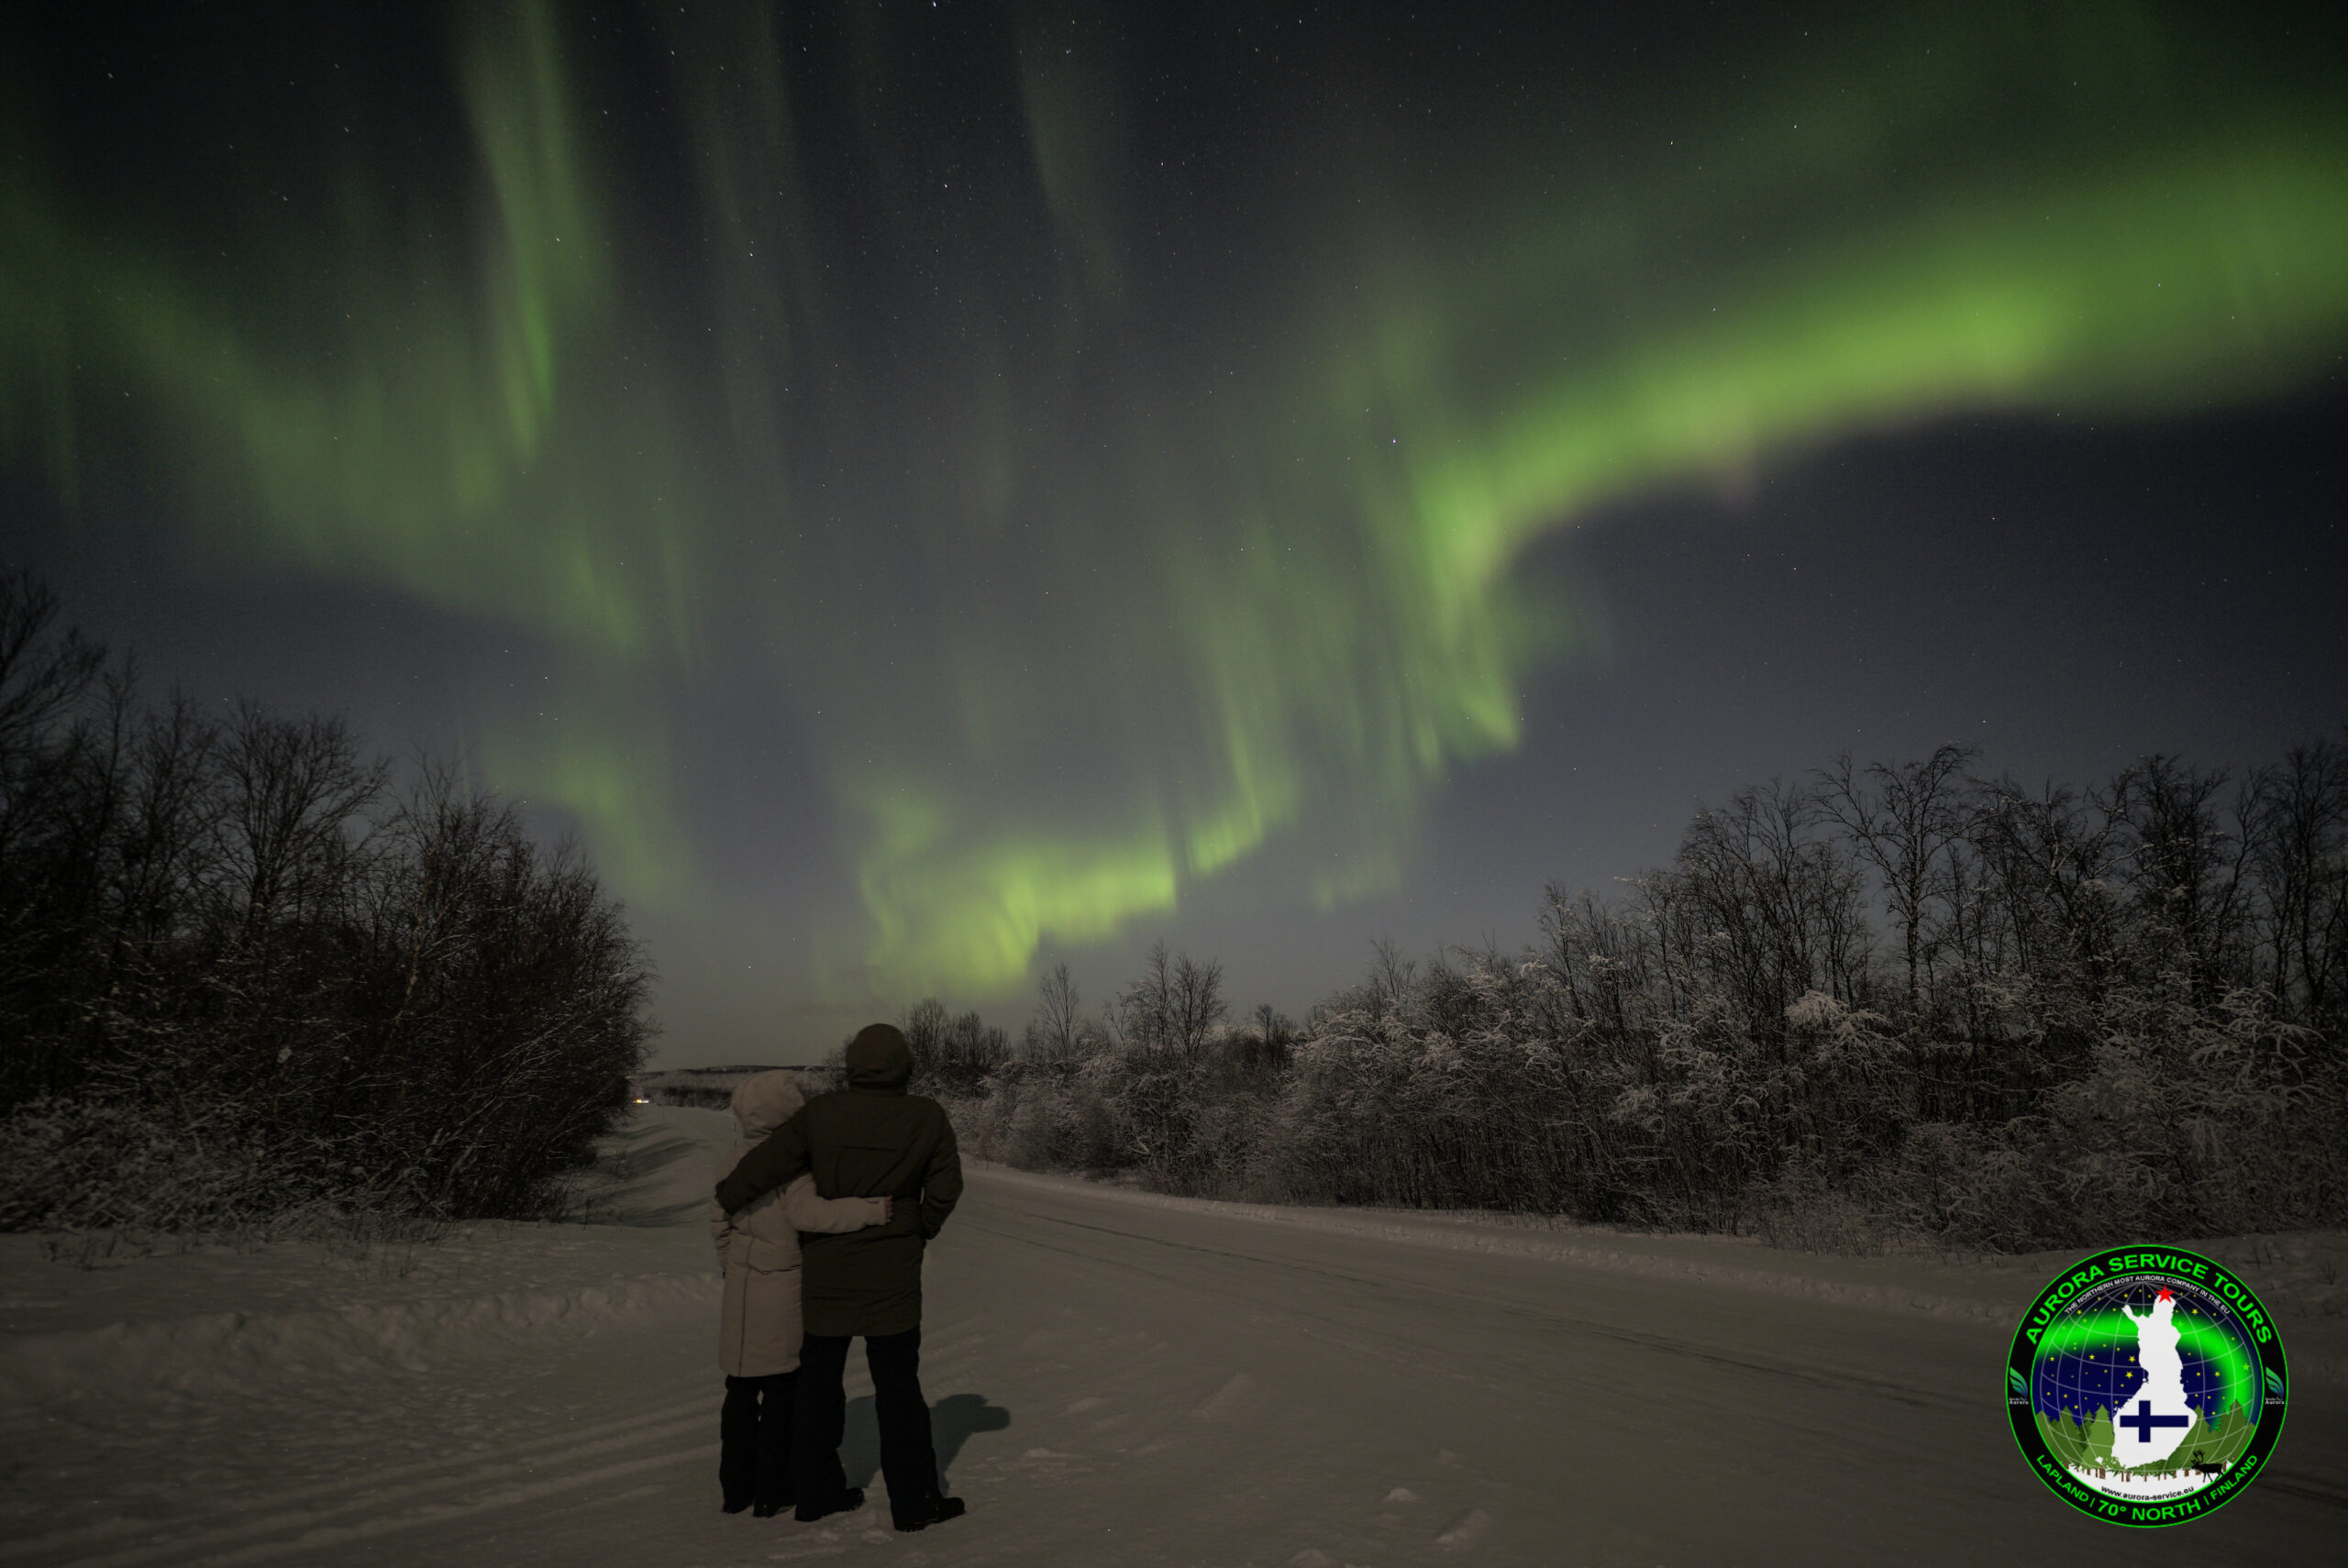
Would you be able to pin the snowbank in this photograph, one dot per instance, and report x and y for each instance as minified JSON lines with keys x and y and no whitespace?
{"x":215,"y":1316}
{"x":213,"y":1350}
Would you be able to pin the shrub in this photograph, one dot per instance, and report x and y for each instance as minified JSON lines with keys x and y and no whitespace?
{"x":2106,"y":1014}
{"x":233,"y":955}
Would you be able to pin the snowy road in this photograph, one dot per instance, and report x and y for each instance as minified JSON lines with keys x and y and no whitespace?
{"x":1117,"y":1379}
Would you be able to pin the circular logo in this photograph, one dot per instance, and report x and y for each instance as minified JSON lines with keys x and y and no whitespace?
{"x":2146,"y":1386}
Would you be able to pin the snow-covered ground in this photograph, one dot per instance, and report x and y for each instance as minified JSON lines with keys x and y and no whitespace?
{"x":1115,"y":1379}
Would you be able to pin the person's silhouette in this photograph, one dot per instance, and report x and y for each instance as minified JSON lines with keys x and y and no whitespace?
{"x":870,"y":1140}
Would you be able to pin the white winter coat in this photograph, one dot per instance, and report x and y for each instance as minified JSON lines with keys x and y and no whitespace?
{"x":758,"y":1244}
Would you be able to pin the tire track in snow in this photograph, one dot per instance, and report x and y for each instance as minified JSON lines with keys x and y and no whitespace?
{"x":253,"y":1527}
{"x":529,"y":1456}
{"x":244,"y":1514}
{"x":1745,"y":1360}
{"x":366,"y":1529}
{"x":93,"y":1535}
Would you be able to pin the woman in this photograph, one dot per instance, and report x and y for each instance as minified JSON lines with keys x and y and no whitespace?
{"x":759,"y":1331}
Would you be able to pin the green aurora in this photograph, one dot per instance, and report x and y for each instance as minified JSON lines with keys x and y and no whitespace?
{"x":2203,"y":1341}
{"x":1091,"y":560}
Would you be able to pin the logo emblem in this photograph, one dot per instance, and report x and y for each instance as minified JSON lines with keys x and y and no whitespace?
{"x":2146,"y":1386}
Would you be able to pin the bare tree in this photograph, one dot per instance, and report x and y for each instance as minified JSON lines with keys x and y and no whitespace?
{"x":1766,"y":907}
{"x":924,"y":1026}
{"x":1904,"y":820}
{"x":1176,"y":1001}
{"x":2189,"y":870}
{"x":1146,"y":1008}
{"x":1054,"y":1033}
{"x":2302,"y":862}
{"x":1391,"y":978}
{"x":43,"y":678}
{"x":1198,"y":1002}
{"x":295,"y":786}
{"x":2051,"y":866}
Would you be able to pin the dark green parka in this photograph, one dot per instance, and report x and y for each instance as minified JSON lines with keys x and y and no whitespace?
{"x":870,"y":1140}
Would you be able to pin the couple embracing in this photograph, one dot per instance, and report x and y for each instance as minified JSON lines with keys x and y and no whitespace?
{"x":828,"y":1207}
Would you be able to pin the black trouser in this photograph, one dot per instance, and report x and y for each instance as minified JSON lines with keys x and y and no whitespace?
{"x":754,"y":1440}
{"x":907,"y":1458}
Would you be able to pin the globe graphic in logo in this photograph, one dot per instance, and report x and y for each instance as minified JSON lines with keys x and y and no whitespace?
{"x":2146,"y":1386}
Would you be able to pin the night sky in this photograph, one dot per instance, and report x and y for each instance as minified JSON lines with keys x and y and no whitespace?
{"x":923,"y":491}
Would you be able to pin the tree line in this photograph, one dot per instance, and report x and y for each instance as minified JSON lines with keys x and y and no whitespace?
{"x":247,"y":969}
{"x":1893,"y":999}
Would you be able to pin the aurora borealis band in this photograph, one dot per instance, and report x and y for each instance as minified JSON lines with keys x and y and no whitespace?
{"x":1053,"y":463}
{"x":2223,"y":1374}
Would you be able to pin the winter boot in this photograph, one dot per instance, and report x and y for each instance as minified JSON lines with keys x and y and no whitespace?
{"x":927,"y":1512}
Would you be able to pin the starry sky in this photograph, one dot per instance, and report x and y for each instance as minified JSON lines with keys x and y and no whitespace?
{"x":928,"y":491}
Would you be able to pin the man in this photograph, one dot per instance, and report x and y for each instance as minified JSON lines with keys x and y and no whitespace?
{"x":871,"y":1140}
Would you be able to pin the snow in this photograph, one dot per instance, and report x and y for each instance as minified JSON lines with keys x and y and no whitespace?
{"x":1115,"y":1376}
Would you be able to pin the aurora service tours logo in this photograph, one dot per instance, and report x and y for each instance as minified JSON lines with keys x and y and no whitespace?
{"x":2146,"y":1386}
